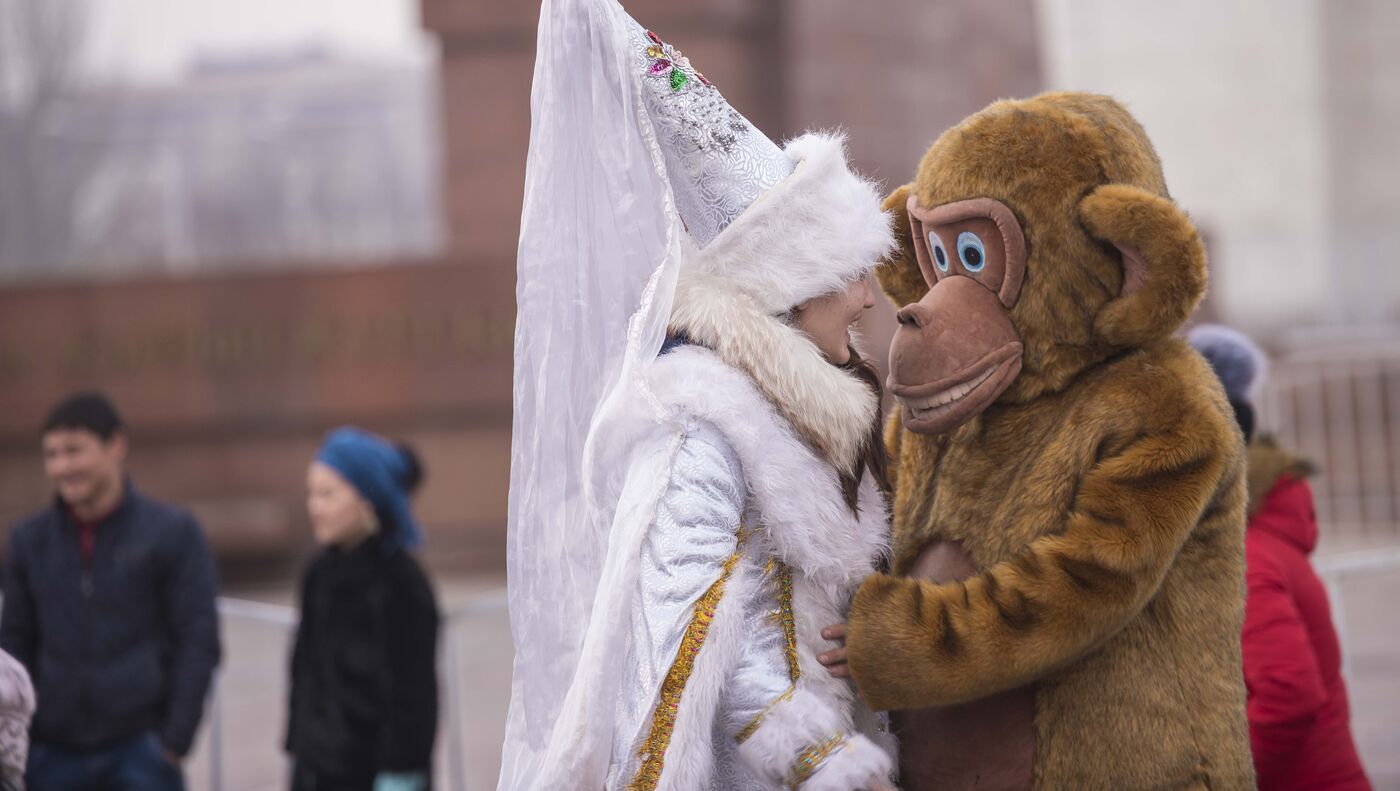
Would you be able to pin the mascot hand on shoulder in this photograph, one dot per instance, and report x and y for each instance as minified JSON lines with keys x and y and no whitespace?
{"x":1065,"y":604}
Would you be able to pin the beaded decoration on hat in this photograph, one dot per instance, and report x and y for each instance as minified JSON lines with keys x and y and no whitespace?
{"x":718,"y":163}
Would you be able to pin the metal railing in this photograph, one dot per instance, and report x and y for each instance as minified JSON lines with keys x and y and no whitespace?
{"x":285,"y":618}
{"x":1340,"y":408}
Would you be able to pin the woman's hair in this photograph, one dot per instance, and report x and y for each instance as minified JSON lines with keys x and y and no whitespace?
{"x":873,"y":457}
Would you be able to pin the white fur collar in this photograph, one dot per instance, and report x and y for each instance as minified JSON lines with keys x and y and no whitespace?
{"x":798,"y":494}
{"x":828,"y":406}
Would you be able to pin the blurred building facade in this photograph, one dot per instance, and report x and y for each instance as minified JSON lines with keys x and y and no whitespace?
{"x":279,"y":245}
{"x":230,"y":372}
{"x":275,"y":158}
{"x":1276,"y":123}
{"x":338,"y":244}
{"x":245,"y":258}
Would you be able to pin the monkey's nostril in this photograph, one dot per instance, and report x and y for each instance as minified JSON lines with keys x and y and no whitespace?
{"x":912,"y":315}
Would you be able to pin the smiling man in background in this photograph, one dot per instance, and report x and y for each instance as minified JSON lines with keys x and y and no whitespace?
{"x":109,"y":603}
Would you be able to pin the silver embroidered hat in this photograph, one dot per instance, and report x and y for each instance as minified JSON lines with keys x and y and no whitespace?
{"x":718,"y":163}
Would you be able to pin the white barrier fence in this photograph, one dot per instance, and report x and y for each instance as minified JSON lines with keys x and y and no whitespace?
{"x":475,"y":685}
{"x":465,"y":685}
{"x":1337,"y":569}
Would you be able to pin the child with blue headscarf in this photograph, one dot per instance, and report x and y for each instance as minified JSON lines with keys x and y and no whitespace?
{"x":363,"y":704}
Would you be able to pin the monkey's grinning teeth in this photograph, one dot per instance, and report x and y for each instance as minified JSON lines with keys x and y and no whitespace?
{"x":950,"y":396}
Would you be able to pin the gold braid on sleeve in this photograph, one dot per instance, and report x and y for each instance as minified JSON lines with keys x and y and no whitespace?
{"x":810,"y":760}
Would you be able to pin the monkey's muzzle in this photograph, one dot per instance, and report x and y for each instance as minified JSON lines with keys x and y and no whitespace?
{"x":954,"y":353}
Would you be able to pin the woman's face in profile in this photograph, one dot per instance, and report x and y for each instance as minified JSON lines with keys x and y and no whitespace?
{"x":339,"y":515}
{"x":827,"y":320}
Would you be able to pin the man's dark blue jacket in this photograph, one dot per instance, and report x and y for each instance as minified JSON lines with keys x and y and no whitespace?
{"x":124,"y":646}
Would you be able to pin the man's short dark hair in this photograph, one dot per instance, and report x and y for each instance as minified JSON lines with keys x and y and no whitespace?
{"x":88,"y":411}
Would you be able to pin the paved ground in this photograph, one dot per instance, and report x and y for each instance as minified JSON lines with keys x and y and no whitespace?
{"x":250,"y":706}
{"x":253,"y":682}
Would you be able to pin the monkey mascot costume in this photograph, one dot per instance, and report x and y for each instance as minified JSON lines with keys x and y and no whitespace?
{"x":1065,"y":602}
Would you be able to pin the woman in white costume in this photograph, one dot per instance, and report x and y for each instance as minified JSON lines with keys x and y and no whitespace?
{"x":695,"y":487}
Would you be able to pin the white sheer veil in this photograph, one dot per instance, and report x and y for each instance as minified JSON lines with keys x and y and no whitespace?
{"x":600,"y":246}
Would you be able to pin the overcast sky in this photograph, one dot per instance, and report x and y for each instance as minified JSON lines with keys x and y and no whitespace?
{"x":152,"y":40}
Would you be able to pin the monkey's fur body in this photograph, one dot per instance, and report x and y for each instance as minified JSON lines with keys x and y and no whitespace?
{"x":1092,"y":640}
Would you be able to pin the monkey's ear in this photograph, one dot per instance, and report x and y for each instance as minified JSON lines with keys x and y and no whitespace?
{"x":899,"y":273}
{"x":1164,"y":264}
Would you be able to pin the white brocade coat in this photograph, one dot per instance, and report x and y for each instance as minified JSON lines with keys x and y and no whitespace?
{"x":750,"y":552}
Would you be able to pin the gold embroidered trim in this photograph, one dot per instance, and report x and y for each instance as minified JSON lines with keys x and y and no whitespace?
{"x":789,"y":623}
{"x":748,"y":730}
{"x":663,"y":721}
{"x":810,"y":760}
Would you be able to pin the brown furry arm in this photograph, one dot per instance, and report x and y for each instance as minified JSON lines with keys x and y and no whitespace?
{"x":913,"y":644}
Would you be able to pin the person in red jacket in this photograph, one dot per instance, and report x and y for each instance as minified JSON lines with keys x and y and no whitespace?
{"x":1299,"y":720}
{"x":1299,"y":717}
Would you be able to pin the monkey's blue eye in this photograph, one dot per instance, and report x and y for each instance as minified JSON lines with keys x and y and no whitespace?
{"x":971,"y":251}
{"x":939,"y":257}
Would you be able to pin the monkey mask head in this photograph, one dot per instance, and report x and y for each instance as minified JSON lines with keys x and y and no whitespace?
{"x":1037,"y":240}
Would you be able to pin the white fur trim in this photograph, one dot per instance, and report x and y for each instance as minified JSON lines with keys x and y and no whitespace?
{"x":790,"y":726}
{"x":830,"y":407}
{"x":805,"y":520}
{"x":801,"y":721}
{"x":859,"y":764}
{"x":809,"y":235}
{"x":816,"y":606}
{"x":875,"y":726}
